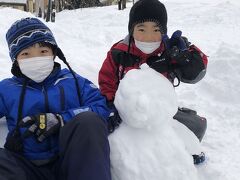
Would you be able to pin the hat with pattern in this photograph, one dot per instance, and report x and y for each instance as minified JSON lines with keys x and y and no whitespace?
{"x":26,"y":32}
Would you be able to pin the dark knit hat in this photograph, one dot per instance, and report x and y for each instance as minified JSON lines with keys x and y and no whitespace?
{"x":27,"y":32}
{"x":148,"y":10}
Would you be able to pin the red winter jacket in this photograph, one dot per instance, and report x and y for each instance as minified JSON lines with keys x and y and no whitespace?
{"x":118,"y":62}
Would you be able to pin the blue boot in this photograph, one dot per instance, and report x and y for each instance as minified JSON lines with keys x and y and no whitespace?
{"x":198,"y":159}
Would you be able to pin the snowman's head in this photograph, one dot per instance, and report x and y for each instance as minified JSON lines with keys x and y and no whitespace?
{"x":145,"y":99}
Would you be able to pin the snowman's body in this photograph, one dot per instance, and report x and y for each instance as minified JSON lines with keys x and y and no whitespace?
{"x":149,"y":144}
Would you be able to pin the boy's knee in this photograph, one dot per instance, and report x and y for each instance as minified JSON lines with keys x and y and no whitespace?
{"x":192,"y":121}
{"x":87,"y":122}
{"x":88,"y":119}
{"x":9,"y":167}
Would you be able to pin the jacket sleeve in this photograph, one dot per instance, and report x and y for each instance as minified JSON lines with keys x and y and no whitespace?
{"x":3,"y":109}
{"x":91,"y":100}
{"x":193,"y":71}
{"x":108,"y":78}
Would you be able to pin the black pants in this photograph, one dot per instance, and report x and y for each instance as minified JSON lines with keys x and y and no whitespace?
{"x":192,"y":121}
{"x":84,"y":155}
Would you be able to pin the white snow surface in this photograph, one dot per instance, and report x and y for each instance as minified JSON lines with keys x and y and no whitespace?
{"x":14,"y":1}
{"x":85,"y":36}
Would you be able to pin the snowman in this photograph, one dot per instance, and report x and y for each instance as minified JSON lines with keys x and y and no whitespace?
{"x":149,"y":144}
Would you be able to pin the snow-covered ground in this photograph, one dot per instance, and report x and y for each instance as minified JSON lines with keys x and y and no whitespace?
{"x":85,"y":36}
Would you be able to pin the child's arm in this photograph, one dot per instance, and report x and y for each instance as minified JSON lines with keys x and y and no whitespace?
{"x":3,"y":109}
{"x":108,"y":78}
{"x":188,"y":62}
{"x":191,"y":65}
{"x":91,"y":100}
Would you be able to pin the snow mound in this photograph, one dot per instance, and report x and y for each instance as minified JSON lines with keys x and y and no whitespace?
{"x":146,"y":145}
{"x":143,"y":97}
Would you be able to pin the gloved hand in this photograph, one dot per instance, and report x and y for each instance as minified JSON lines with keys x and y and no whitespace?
{"x":176,"y":40}
{"x":177,"y":48}
{"x":114,"y":120}
{"x":42,"y":125}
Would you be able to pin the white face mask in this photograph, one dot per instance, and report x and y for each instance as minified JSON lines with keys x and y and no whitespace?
{"x":37,"y":68}
{"x":147,"y":47}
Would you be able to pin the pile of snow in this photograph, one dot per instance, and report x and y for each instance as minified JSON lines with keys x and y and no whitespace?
{"x":143,"y":96}
{"x":146,"y":145}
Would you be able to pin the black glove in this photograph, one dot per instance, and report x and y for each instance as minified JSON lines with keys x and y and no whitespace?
{"x":41,"y":125}
{"x":14,"y":141}
{"x":114,"y":119}
{"x":176,"y":49}
{"x":181,"y":57}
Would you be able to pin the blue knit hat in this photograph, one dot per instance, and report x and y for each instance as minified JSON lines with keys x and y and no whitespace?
{"x":26,"y":32}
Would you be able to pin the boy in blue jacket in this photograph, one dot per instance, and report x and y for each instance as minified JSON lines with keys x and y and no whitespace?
{"x":56,"y":118}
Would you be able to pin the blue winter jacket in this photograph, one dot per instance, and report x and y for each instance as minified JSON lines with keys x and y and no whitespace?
{"x":56,"y":94}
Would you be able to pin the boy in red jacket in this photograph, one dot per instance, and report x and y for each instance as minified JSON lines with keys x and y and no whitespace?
{"x":147,"y":42}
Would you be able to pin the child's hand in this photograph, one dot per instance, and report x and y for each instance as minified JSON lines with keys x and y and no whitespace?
{"x":177,"y":48}
{"x":41,"y":125}
{"x":114,"y":120}
{"x":176,"y":40}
